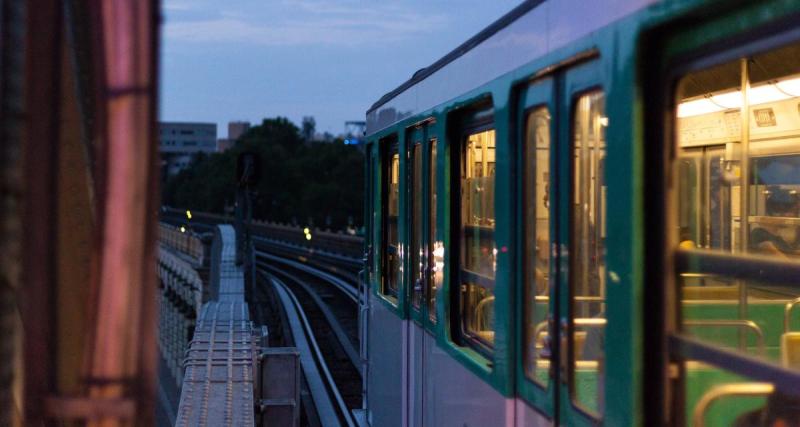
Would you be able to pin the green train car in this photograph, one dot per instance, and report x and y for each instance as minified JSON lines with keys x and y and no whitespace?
{"x":589,"y":213}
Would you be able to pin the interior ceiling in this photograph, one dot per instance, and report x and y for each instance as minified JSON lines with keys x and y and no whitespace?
{"x":768,"y":66}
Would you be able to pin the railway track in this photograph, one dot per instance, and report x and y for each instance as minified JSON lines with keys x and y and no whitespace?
{"x":319,"y":303}
{"x":321,"y":310}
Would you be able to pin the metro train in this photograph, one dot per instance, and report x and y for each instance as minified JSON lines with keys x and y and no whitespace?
{"x":588,"y":213}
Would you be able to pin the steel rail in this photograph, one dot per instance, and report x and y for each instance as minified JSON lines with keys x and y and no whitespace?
{"x":351,"y":352}
{"x":312,"y":258}
{"x":314,"y":365}
{"x":343,"y":286}
{"x":350,"y":261}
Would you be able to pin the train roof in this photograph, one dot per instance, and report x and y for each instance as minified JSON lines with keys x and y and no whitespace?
{"x":465,"y":47}
{"x":528,"y":31}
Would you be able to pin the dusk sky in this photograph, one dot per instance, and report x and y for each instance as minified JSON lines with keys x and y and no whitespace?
{"x":331,"y":59}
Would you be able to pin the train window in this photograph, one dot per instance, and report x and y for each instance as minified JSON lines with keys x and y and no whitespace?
{"x":587,"y":252}
{"x":417,"y":253}
{"x":537,"y":244}
{"x":737,"y":201}
{"x":391,"y":191}
{"x":436,"y":261}
{"x":478,"y":251}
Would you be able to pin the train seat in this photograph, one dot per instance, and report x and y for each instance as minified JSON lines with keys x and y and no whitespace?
{"x":487,"y":336}
{"x":790,"y":349}
{"x":710,"y":292}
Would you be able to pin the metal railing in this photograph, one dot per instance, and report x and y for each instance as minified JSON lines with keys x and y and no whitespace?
{"x":182,"y":241}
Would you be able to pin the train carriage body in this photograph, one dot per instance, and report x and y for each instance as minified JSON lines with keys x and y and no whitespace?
{"x":589,"y":213}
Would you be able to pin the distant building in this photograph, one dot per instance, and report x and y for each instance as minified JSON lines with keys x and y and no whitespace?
{"x":235,"y":130}
{"x":179,"y":141}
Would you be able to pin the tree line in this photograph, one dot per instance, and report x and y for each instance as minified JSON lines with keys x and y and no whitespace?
{"x":301,"y":182}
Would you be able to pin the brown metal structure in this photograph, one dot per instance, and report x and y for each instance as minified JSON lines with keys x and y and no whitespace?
{"x":86,"y":294}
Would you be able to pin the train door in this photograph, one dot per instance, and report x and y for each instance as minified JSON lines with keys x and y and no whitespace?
{"x":421,"y":208}
{"x":563,"y":153}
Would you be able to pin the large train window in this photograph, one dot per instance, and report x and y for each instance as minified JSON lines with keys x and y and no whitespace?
{"x":536,"y":189}
{"x":390,"y":259}
{"x":587,"y":252}
{"x":736,"y":231}
{"x":476,"y":238}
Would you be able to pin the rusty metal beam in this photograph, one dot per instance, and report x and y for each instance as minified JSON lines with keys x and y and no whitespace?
{"x":12,"y":34}
{"x":42,"y":63}
{"x":112,"y":48}
{"x":123,"y":335}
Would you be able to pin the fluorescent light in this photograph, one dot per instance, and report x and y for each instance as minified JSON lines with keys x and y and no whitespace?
{"x":790,"y":87}
{"x":697,"y":107}
{"x":766,"y":93}
{"x":728,"y":100}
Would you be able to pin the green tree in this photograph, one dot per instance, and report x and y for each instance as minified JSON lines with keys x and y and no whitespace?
{"x":322,"y":181}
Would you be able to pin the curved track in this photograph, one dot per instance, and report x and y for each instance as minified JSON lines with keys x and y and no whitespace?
{"x":329,"y":402}
{"x":329,"y":306}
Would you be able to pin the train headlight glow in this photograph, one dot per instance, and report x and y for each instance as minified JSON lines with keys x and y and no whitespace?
{"x":188,"y":214}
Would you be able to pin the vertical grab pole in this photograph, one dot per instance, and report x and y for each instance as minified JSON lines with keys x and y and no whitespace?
{"x":744,"y":190}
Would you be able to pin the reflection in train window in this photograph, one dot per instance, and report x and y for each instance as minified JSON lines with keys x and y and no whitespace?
{"x":391,"y":192}
{"x":737,"y":177}
{"x":587,"y":252}
{"x":478,"y":250}
{"x":536,"y":187}
{"x":436,"y":249}
{"x":417,"y":249}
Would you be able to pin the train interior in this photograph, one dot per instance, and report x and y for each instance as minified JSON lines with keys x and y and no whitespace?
{"x":737,"y":182}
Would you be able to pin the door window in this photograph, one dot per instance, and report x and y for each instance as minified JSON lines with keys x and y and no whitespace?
{"x":391,"y":210}
{"x":536,"y":188}
{"x":435,"y":249}
{"x":587,"y":253}
{"x":417,"y":248}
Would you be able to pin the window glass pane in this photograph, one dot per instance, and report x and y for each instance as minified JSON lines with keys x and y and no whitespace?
{"x":588,"y":232}
{"x":536,"y":189}
{"x":391,"y":254}
{"x":417,"y":249}
{"x":435,"y":248}
{"x":738,"y":172}
{"x":477,"y":237}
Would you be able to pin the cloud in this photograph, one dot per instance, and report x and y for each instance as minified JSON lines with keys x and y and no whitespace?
{"x":306,"y":22}
{"x":173,"y":5}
